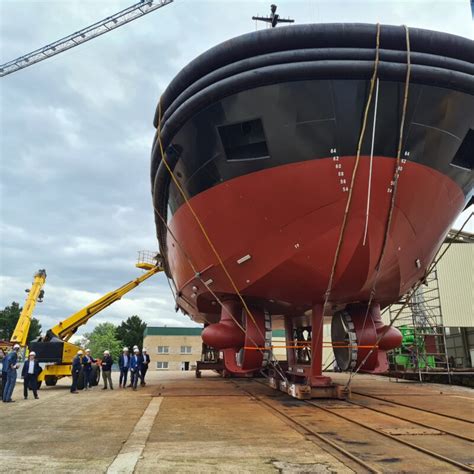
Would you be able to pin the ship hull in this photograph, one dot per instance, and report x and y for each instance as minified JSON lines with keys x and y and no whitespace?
{"x":252,"y":170}
{"x":280,"y":199}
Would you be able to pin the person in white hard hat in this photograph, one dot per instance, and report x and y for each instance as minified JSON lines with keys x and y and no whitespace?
{"x":135,"y":347}
{"x":145,"y":362}
{"x":11,"y":362}
{"x":76,"y":370}
{"x":124,"y":365}
{"x":106,"y":365}
{"x":87,"y":362}
{"x":31,"y":370}
{"x":135,"y":367}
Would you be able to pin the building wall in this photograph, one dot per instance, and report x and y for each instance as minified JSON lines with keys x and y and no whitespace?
{"x":175,"y":358}
{"x":456,"y":285}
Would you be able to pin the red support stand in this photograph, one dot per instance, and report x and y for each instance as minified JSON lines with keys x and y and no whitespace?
{"x":316,"y":378}
{"x":306,"y":380}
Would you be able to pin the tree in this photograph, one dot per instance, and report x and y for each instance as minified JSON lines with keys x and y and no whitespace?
{"x":102,"y":338}
{"x":131,"y":331}
{"x":8,"y":319}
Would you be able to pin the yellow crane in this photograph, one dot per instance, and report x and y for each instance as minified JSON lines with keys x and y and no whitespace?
{"x":54,"y":348}
{"x":35,"y":294}
{"x":22,"y":328}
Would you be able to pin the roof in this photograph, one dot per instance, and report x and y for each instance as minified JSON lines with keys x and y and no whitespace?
{"x":180,"y":331}
{"x":172,"y":331}
{"x":459,"y":237}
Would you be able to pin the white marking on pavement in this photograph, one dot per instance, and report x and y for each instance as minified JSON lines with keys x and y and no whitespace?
{"x":127,"y":458}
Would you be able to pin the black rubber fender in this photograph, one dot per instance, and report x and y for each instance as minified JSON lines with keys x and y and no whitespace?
{"x":328,"y":35}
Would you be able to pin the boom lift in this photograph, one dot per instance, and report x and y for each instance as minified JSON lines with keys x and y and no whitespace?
{"x":22,"y":328}
{"x":54,"y":348}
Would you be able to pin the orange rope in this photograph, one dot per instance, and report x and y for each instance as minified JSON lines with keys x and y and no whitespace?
{"x":255,"y":348}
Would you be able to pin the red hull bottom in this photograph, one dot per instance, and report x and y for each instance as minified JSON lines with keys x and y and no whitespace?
{"x":284,"y":222}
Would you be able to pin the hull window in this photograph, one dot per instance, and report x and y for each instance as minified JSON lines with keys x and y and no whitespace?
{"x":244,"y":141}
{"x":464,"y":157}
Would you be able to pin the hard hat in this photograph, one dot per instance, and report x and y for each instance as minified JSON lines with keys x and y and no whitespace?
{"x":136,"y":349}
{"x":125,"y":349}
{"x":80,"y":352}
{"x":16,"y":346}
{"x":106,"y":352}
{"x":32,"y":353}
{"x":145,"y":349}
{"x":88,"y":350}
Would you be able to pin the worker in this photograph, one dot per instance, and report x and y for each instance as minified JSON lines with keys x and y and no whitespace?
{"x":135,"y":367}
{"x":145,"y":362}
{"x":12,"y":365}
{"x":106,"y":365}
{"x":87,"y":362}
{"x":31,"y":370}
{"x":124,"y":366}
{"x":3,"y":360}
{"x":133,"y":352}
{"x":76,"y":370}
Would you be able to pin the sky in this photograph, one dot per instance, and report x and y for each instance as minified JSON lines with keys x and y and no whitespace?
{"x":76,"y":133}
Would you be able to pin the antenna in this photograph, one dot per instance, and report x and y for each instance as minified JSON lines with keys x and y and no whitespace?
{"x":274,"y":18}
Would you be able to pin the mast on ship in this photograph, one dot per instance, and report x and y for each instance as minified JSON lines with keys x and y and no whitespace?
{"x":274,"y":18}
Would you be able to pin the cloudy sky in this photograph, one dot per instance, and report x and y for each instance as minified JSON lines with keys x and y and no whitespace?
{"x":76,"y":129}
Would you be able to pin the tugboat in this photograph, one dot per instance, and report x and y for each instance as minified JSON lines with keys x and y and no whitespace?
{"x":306,"y":172}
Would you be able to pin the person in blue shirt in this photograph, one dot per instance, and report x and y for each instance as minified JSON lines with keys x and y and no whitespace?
{"x":12,"y":365}
{"x":135,"y":367}
{"x":124,"y":365}
{"x":76,"y":370}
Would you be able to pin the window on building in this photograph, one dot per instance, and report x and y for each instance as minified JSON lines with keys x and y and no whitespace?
{"x":163,"y":350}
{"x":185,"y":349}
{"x":161,"y":365}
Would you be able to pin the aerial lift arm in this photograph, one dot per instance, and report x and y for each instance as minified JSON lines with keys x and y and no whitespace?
{"x":65,"y":329}
{"x":54,"y":348}
{"x":35,"y":294}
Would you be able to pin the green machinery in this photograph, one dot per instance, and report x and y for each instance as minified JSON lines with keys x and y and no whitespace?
{"x":413,"y":354}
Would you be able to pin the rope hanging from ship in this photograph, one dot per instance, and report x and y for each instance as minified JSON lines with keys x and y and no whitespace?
{"x":273,"y":362}
{"x":198,"y":275}
{"x":408,"y":299}
{"x":396,"y":176}
{"x":353,"y":177}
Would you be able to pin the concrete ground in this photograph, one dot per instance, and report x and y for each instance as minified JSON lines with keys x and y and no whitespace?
{"x":175,"y":424}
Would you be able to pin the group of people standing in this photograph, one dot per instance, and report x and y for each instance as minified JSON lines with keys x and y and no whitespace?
{"x":136,"y":364}
{"x":31,"y":370}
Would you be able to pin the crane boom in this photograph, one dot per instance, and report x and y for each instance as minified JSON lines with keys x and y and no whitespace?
{"x":35,"y":294}
{"x":65,"y":329}
{"x":75,"y":39}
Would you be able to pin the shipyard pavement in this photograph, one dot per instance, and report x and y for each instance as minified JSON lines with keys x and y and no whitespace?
{"x":177,"y":423}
